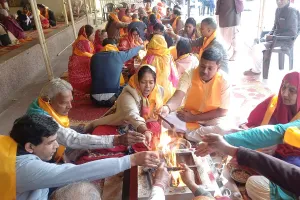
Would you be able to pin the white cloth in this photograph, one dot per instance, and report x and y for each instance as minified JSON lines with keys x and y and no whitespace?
{"x":217,"y":125}
{"x":258,"y":188}
{"x":157,"y":193}
{"x":103,"y":97}
{"x":230,"y":36}
{"x":257,"y":55}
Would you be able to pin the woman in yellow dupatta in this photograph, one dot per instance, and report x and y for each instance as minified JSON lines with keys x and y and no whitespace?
{"x":158,"y":55}
{"x":79,"y":73}
{"x":137,"y":105}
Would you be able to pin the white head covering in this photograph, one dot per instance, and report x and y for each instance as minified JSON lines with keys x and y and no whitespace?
{"x":4,"y":12}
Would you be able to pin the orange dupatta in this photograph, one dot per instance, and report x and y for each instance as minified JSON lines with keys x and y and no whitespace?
{"x":271,"y":108}
{"x":62,"y":120}
{"x":8,"y":154}
{"x":116,"y":19}
{"x":110,"y":47}
{"x":202,"y":97}
{"x":150,"y":104}
{"x":174,"y":24}
{"x":158,"y":55}
{"x":206,"y":42}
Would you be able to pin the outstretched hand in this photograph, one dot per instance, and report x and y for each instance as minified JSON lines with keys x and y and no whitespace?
{"x":145,"y":158}
{"x":131,"y":138}
{"x":212,"y":143}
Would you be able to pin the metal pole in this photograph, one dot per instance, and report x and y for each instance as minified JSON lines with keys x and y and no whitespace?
{"x":86,"y":11}
{"x":261,"y":17}
{"x":65,"y":13}
{"x":72,"y":19}
{"x":189,"y":7}
{"x":42,"y":40}
{"x":90,"y":4}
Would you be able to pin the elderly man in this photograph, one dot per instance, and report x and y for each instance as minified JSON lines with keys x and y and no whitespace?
{"x":209,"y":39}
{"x":26,"y":172}
{"x":287,"y":23}
{"x":206,"y":91}
{"x":55,"y":101}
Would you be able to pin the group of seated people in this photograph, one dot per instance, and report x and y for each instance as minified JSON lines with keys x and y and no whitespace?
{"x":190,"y":91}
{"x":12,"y":29}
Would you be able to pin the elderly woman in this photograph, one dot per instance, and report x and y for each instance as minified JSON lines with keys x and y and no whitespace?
{"x":137,"y":104}
{"x":79,"y":62}
{"x":11,"y":25}
{"x":158,"y":55}
{"x":55,"y":100}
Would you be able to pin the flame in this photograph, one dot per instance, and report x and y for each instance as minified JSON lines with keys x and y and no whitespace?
{"x":170,"y":157}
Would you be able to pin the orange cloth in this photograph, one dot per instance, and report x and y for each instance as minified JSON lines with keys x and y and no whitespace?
{"x":135,"y":20}
{"x":110,"y":47}
{"x":271,"y":108}
{"x":46,"y":13}
{"x":8,"y":154}
{"x":150,"y":104}
{"x":173,"y":52}
{"x":126,"y":19}
{"x":158,"y":55}
{"x":77,"y":51}
{"x":203,"y":97}
{"x":206,"y":42}
{"x":174,"y":24}
{"x":62,"y":120}
{"x":116,"y":19}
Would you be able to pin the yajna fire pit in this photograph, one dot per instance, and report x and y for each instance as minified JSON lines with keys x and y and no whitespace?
{"x":205,"y":175}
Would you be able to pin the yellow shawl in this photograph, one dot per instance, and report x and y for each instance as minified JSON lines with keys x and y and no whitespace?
{"x":158,"y":55}
{"x":174,"y":24}
{"x":202,"y":97}
{"x":62,"y":120}
{"x":8,"y":154}
{"x":206,"y":42}
{"x":150,"y":104}
{"x":110,"y":47}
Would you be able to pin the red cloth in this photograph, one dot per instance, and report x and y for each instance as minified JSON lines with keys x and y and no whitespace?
{"x":285,"y":150}
{"x":155,"y":128}
{"x":79,"y":66}
{"x":99,"y":154}
{"x":97,"y":42}
{"x":282,"y":113}
{"x":121,"y":13}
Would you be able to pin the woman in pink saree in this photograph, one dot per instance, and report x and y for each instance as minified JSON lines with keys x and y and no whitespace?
{"x":79,"y":63}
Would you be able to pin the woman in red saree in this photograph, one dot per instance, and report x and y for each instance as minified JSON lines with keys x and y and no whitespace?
{"x":100,"y":35}
{"x":128,"y":42}
{"x":79,"y":63}
{"x":280,"y":109}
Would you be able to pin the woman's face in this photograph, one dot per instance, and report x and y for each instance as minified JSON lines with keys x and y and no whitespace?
{"x":289,"y":94}
{"x":189,"y":28}
{"x":135,"y":35}
{"x":147,"y":84}
{"x":92,"y":37}
{"x":102,"y":36}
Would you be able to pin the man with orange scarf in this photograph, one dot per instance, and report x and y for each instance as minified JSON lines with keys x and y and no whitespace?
{"x":209,"y":39}
{"x":55,"y":101}
{"x":206,"y":91}
{"x":114,"y":27}
{"x":106,"y":71}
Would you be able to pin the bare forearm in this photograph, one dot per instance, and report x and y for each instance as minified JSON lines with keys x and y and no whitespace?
{"x":175,"y":100}
{"x":211,"y":115}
